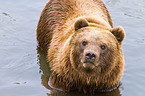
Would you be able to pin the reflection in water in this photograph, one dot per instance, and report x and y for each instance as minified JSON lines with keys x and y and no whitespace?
{"x":44,"y":67}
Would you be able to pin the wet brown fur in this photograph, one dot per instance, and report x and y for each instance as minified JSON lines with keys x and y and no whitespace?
{"x":56,"y":13}
{"x":56,"y":26}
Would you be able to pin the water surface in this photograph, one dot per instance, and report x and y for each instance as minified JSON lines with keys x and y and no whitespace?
{"x":22,"y":69}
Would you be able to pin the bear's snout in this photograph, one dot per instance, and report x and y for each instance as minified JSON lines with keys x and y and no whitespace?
{"x":89,"y":59}
{"x":90,"y":55}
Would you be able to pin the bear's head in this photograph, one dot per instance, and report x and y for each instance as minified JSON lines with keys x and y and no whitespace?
{"x":95,"y":49}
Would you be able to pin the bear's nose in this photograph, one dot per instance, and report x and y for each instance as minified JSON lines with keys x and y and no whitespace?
{"x":90,"y":55}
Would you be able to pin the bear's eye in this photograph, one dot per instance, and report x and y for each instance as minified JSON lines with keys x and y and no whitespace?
{"x":103,"y":47}
{"x":84,"y":43}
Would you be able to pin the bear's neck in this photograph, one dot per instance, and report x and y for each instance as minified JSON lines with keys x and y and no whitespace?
{"x":71,"y":82}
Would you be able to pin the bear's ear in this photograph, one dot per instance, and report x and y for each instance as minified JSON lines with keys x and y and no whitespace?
{"x":119,"y":33}
{"x":80,"y":23}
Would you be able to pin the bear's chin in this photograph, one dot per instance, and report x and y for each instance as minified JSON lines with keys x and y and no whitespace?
{"x":88,"y":67}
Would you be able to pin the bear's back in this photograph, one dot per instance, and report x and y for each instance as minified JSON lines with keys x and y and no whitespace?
{"x":57,"y":12}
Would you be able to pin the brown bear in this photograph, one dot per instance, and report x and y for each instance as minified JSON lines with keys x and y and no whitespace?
{"x":84,"y":50}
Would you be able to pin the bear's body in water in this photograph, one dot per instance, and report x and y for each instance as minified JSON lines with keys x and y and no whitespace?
{"x":84,"y":50}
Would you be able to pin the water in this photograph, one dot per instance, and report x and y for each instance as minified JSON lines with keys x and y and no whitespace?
{"x":22,"y":68}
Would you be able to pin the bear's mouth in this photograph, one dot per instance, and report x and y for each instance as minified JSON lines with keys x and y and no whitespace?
{"x":88,"y":64}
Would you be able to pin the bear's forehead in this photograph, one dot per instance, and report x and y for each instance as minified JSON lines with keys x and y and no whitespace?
{"x":95,"y":31}
{"x":95,"y":34}
{"x":92,"y":34}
